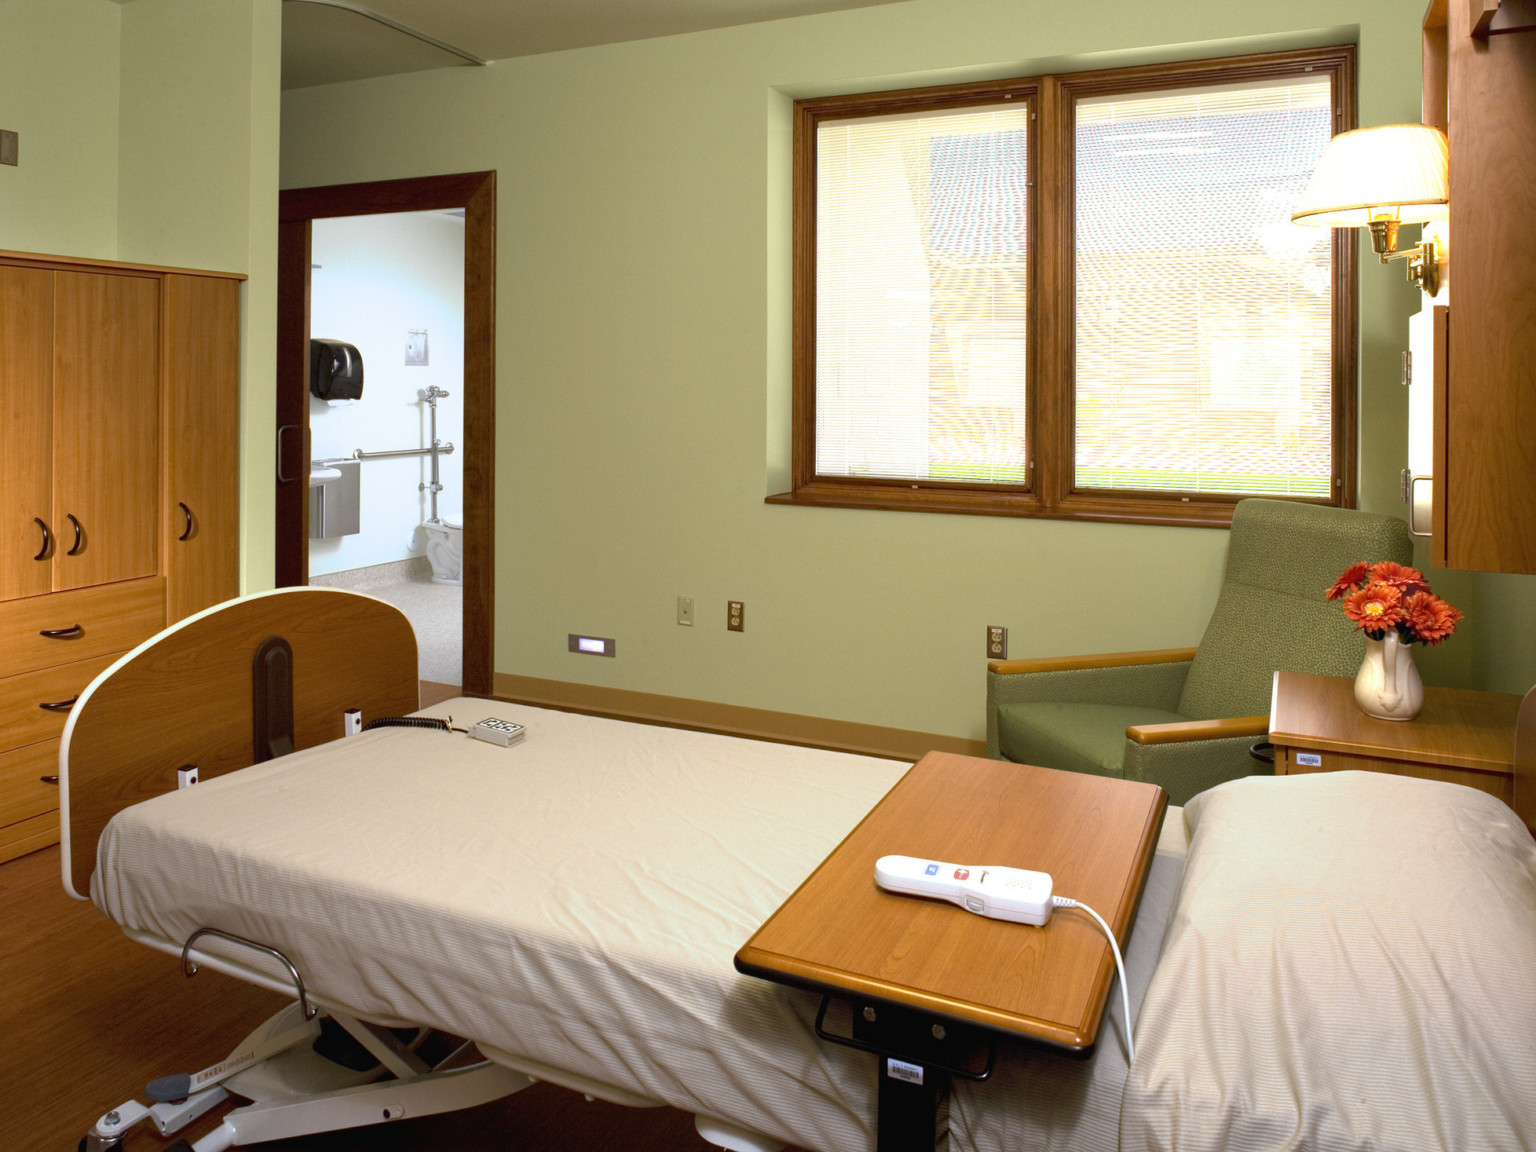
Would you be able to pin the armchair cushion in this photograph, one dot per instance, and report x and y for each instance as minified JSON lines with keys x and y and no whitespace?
{"x":1079,"y":737}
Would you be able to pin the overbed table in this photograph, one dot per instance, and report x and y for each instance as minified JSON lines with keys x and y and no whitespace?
{"x":928,"y":987}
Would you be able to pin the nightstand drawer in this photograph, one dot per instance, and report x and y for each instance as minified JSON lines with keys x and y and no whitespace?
{"x":1296,"y":761}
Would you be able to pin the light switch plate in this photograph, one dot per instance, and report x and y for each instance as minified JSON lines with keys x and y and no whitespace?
{"x":9,"y":142}
{"x":415,"y":347}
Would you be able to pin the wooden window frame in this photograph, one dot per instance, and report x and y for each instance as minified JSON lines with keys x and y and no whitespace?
{"x":1050,"y":431}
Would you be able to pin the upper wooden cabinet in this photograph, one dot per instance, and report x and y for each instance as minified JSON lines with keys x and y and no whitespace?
{"x":80,"y":365}
{"x":1480,"y":85}
{"x":106,"y":427}
{"x":26,"y":431}
{"x":201,"y":499}
{"x":119,"y":416}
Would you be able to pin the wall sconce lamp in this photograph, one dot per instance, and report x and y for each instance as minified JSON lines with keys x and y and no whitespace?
{"x":1379,"y":178}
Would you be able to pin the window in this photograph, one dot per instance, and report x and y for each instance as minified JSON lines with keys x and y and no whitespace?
{"x":1076,"y":296}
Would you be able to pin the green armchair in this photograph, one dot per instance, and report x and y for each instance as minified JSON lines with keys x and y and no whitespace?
{"x":1185,"y":718}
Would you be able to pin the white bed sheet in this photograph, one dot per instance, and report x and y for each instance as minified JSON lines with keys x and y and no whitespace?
{"x":576,"y":900}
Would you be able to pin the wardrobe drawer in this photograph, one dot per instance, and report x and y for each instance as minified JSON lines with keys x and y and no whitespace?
{"x":23,"y":720}
{"x":86,"y":622}
{"x":23,"y":794}
{"x":28,"y":835}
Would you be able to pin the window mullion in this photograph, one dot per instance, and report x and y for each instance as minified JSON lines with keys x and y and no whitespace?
{"x":1051,"y":436}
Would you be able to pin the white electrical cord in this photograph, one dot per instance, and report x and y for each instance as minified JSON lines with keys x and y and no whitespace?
{"x":1125,"y":997}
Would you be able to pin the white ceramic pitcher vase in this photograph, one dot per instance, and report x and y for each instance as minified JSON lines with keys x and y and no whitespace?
{"x":1388,"y":685}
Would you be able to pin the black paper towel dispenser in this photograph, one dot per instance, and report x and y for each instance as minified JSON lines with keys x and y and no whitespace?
{"x":335,"y":370}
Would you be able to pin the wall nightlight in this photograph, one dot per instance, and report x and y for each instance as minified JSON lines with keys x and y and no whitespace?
{"x":1379,"y":178}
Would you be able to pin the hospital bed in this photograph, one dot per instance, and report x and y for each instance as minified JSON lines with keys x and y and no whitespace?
{"x":1340,"y":960}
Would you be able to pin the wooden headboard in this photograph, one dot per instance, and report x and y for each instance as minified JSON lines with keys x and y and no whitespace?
{"x":1525,"y":761}
{"x":185,"y":697}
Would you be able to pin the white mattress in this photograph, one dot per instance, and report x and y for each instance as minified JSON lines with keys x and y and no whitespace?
{"x":576,"y":900}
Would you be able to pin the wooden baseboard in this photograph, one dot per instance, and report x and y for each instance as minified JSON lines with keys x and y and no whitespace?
{"x":730,"y":719}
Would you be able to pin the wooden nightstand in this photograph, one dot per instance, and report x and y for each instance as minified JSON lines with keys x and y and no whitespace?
{"x":1460,"y":736}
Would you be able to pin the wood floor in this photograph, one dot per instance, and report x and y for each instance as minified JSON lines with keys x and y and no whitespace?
{"x":88,"y":1018}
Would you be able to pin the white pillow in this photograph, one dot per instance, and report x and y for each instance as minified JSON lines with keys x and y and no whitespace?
{"x":1350,"y":964}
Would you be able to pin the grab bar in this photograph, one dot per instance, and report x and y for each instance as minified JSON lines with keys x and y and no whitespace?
{"x":444,"y":449}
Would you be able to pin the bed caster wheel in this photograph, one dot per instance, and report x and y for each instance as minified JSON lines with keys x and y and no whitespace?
{"x":87,"y":1144}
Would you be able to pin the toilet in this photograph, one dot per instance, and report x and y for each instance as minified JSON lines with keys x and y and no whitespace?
{"x":445,"y":550}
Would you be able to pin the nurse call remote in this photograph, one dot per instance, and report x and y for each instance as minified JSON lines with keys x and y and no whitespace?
{"x":1002,"y":893}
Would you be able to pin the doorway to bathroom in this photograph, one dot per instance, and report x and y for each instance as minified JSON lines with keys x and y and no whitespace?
{"x":400,"y":274}
{"x":386,"y":475}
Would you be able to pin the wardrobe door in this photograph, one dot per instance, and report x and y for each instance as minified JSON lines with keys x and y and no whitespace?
{"x":201,"y":516}
{"x":26,"y":417}
{"x":106,"y":377}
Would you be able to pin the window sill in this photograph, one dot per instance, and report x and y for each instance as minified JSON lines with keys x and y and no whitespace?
{"x":1175,"y":511}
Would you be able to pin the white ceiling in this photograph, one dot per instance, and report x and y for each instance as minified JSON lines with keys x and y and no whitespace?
{"x":324,"y":45}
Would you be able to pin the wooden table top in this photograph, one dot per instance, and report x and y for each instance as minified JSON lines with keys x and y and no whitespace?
{"x":841,"y":933}
{"x":1457,"y":727}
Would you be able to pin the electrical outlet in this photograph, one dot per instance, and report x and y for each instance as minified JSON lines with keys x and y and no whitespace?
{"x":735,"y":616}
{"x":8,"y":145}
{"x":997,"y":642}
{"x":685,"y":610}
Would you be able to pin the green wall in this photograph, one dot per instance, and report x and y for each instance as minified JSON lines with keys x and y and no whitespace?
{"x":59,"y":90}
{"x":642,"y":363}
{"x":149,"y":134}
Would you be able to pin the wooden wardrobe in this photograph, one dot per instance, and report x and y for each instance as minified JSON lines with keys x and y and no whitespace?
{"x":119,"y":497}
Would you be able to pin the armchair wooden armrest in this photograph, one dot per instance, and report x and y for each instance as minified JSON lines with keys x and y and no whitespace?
{"x":1099,"y":660}
{"x":1198,"y":730}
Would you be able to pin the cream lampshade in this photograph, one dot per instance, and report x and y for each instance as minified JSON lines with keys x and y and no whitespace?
{"x":1378,"y":178}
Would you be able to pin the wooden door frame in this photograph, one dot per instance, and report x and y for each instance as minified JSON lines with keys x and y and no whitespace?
{"x":298,"y":208}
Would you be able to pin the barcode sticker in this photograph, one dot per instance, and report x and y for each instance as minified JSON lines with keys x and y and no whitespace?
{"x":901,"y":1070}
{"x":1309,"y":760}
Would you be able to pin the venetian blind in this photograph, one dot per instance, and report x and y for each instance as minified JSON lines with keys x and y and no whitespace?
{"x":1203,"y":316}
{"x":921,"y":276}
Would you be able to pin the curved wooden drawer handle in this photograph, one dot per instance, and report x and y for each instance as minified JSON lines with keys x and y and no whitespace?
{"x":69,"y":633}
{"x":54,"y":780}
{"x":187,"y":512}
{"x":79,"y":536}
{"x":60,"y":706}
{"x":47,"y":539}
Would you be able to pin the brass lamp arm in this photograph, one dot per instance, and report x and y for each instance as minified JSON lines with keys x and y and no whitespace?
{"x":1423,"y":261}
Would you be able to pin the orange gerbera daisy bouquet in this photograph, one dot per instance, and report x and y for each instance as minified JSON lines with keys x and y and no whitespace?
{"x":1383,"y":596}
